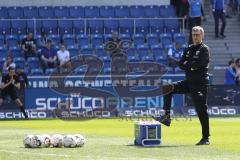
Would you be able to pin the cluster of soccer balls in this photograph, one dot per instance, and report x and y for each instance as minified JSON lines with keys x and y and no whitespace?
{"x":56,"y":140}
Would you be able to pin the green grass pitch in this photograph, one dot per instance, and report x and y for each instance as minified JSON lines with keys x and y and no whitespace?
{"x":110,"y":139}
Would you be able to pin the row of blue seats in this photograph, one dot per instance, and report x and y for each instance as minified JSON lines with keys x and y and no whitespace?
{"x":139,"y":50}
{"x":82,"y":71}
{"x":99,"y":39}
{"x":91,"y":26}
{"x":87,"y":11}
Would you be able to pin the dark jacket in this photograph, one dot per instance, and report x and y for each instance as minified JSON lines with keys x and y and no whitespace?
{"x":195,"y":62}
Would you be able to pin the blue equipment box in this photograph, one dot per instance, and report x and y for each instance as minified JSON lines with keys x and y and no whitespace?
{"x":147,"y":133}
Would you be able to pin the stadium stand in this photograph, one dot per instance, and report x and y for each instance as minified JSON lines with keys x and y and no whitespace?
{"x":85,"y":29}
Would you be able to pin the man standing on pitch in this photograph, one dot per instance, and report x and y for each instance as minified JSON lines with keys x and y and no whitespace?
{"x":195,"y":61}
{"x":9,"y":86}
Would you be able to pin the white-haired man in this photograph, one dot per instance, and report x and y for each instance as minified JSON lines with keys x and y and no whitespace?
{"x":195,"y":62}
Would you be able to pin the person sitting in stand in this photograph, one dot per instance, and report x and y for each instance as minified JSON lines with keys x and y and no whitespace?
{"x":29,"y":46}
{"x":63,"y":57}
{"x":8,"y":63}
{"x":174,"y":55}
{"x":48,"y":56}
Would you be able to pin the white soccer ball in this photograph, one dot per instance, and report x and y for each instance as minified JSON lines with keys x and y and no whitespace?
{"x":27,"y":141}
{"x":47,"y":140}
{"x":57,"y":140}
{"x":69,"y":141}
{"x":36,"y":141}
{"x":80,"y":140}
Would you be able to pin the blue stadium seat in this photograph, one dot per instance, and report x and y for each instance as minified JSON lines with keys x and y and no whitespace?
{"x":36,"y":72}
{"x":86,"y":50}
{"x":96,"y":39}
{"x":157,"y":51}
{"x":61,"y":12}
{"x":137,"y":11}
{"x":126,"y":26}
{"x":167,"y":11}
{"x":106,"y":59}
{"x":50,"y":26}
{"x":33,"y":62}
{"x":30,"y":12}
{"x":122,"y":11}
{"x":49,"y":71}
{"x":138,"y":39}
{"x":148,"y":58}
{"x":46,"y":12}
{"x":142,"y":26}
{"x":65,"y":26}
{"x":180,"y":39}
{"x":69,"y":39}
{"x":19,"y":61}
{"x":5,"y":26}
{"x":172,"y":26}
{"x":55,"y":39}
{"x":82,"y":40}
{"x":73,"y":51}
{"x":142,"y":50}
{"x":99,"y":50}
{"x":106,"y":70}
{"x":159,"y":54}
{"x":16,"y":51}
{"x":170,"y":70}
{"x":95,"y":26}
{"x":78,"y":26}
{"x":131,"y":52}
{"x":4,"y":13}
{"x":11,"y":40}
{"x":152,"y":39}
{"x":166,"y":39}
{"x":79,"y":71}
{"x":76,"y":12}
{"x":107,"y":37}
{"x":91,"y":12}
{"x":111,"y":26}
{"x":34,"y":26}
{"x":178,"y":70}
{"x":2,"y":60}
{"x":124,"y":37}
{"x":19,"y":26}
{"x":133,"y":58}
{"x":156,"y":26}
{"x":106,"y":11}
{"x":2,"y":43}
{"x":152,"y":11}
{"x":3,"y":52}
{"x":15,"y":12}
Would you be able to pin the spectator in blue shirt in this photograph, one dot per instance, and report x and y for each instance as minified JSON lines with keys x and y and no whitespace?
{"x":219,"y":12}
{"x":174,"y":55}
{"x":48,"y":56}
{"x":195,"y":15}
{"x":230,"y":74}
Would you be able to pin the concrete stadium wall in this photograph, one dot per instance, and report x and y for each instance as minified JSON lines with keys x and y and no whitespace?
{"x":81,"y":2}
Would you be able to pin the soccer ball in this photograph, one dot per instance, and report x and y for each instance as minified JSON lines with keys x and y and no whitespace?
{"x":27,"y":141}
{"x":69,"y":141}
{"x":57,"y":140}
{"x":80,"y":140}
{"x":36,"y":141}
{"x":47,"y":140}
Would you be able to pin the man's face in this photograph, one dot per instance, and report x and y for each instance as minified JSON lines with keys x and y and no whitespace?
{"x":29,"y":35}
{"x":197,"y":36}
{"x":11,"y":72}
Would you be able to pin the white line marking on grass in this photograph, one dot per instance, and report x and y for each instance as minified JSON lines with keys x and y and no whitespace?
{"x":39,"y":154}
{"x":68,"y":156}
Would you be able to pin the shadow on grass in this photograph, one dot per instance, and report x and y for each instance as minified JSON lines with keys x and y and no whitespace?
{"x":161,"y":146}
